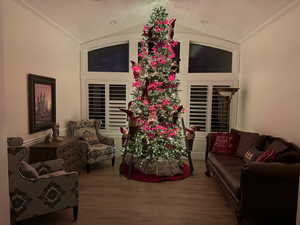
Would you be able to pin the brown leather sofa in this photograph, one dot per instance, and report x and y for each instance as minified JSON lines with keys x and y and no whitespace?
{"x":262,"y":193}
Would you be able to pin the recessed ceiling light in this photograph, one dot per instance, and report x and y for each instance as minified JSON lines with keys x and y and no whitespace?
{"x":113,"y":22}
{"x":204,"y":21}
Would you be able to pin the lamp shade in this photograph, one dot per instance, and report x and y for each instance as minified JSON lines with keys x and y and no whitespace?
{"x":227,"y":92}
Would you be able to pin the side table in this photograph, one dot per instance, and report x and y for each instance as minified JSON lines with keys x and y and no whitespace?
{"x":68,"y":149}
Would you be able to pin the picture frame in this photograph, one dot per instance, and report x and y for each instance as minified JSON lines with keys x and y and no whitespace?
{"x":41,"y":102}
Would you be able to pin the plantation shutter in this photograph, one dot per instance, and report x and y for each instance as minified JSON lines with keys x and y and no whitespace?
{"x":117,"y":100}
{"x":220,"y":113}
{"x":96,"y":101}
{"x":198,"y":106}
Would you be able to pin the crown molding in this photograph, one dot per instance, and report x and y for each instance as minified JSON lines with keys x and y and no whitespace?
{"x":269,"y":21}
{"x":41,"y":15}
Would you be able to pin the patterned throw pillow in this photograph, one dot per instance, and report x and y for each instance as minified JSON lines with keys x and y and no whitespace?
{"x":89,"y":136}
{"x":28,"y":171}
{"x":93,"y":140}
{"x":267,"y":156}
{"x":252,"y":154}
{"x":225,"y":143}
{"x":278,"y":146}
{"x":273,"y":151}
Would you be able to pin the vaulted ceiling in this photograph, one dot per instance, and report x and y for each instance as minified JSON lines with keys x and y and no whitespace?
{"x":90,"y":19}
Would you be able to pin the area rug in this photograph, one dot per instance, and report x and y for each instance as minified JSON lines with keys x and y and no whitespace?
{"x":138,"y":175}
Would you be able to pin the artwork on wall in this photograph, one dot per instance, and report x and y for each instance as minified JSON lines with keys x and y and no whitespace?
{"x":41,"y":102}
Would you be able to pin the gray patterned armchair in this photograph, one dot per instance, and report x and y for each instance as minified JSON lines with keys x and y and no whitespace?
{"x":95,"y":147}
{"x":50,"y":190}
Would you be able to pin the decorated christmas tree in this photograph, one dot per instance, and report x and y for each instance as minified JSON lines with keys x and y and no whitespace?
{"x":155,"y":138}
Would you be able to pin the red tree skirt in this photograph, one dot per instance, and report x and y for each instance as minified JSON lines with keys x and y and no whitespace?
{"x":138,"y":175}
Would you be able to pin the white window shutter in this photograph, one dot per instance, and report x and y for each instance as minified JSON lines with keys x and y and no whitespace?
{"x":198,"y":106}
{"x":117,"y":100}
{"x":96,"y":102}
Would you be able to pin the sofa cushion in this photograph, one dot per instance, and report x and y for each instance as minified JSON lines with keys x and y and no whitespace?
{"x":247,"y":140}
{"x":229,"y":168}
{"x":289,"y":157}
{"x":225,"y":143}
{"x":28,"y":170}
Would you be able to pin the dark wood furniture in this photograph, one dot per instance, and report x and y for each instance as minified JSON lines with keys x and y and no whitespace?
{"x":68,"y":149}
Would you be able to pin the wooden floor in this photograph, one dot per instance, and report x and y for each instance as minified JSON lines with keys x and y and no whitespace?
{"x":109,"y":199}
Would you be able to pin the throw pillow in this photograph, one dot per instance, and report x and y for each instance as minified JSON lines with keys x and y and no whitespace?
{"x":225,"y":143}
{"x":93,"y":140}
{"x":247,"y":140}
{"x":28,"y":170}
{"x":252,"y":154}
{"x":267,"y":156}
{"x":278,"y":146}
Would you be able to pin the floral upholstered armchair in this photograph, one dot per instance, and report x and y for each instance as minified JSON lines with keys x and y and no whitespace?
{"x":94,"y":146}
{"x":38,"y":188}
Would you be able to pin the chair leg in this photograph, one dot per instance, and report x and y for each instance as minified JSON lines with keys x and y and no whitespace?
{"x":130,"y":171}
{"x":113,"y":161}
{"x":75,"y":212}
{"x":239,"y":217}
{"x":88,"y":168}
{"x":12,"y":218}
{"x":191,"y":164}
{"x":207,"y":173}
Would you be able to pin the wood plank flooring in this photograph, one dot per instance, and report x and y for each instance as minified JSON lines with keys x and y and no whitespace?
{"x":109,"y":199}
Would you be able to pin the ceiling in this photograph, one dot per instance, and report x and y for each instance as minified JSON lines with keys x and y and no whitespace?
{"x":91,"y":19}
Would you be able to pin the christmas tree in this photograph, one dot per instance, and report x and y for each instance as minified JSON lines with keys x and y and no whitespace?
{"x":155,"y":133}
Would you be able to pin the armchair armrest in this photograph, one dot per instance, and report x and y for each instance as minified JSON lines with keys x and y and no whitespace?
{"x":60,"y":173}
{"x":269,"y":191}
{"x":107,"y":140}
{"x":65,"y":183}
{"x":49,"y":166}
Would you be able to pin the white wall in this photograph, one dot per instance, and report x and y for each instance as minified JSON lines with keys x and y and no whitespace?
{"x":4,"y":200}
{"x":270,"y":78}
{"x":33,"y":45}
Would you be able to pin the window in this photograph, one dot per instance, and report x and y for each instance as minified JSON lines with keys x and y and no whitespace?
{"x":109,"y":59}
{"x":205,"y":59}
{"x":219,"y":111}
{"x":97,"y":102}
{"x":208,"y":111}
{"x":198,"y":106}
{"x":104,"y":102}
{"x":176,"y":50}
{"x":117,"y":100}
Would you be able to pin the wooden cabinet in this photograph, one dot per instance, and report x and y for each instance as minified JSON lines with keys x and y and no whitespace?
{"x":68,"y":149}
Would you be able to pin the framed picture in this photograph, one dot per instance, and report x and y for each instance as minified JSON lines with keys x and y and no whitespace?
{"x":41,"y":102}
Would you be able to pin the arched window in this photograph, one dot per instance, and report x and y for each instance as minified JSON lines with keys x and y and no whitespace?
{"x":109,"y":59}
{"x":206,"y":59}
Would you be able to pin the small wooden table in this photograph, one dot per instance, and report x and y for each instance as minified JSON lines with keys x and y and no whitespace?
{"x":68,"y":149}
